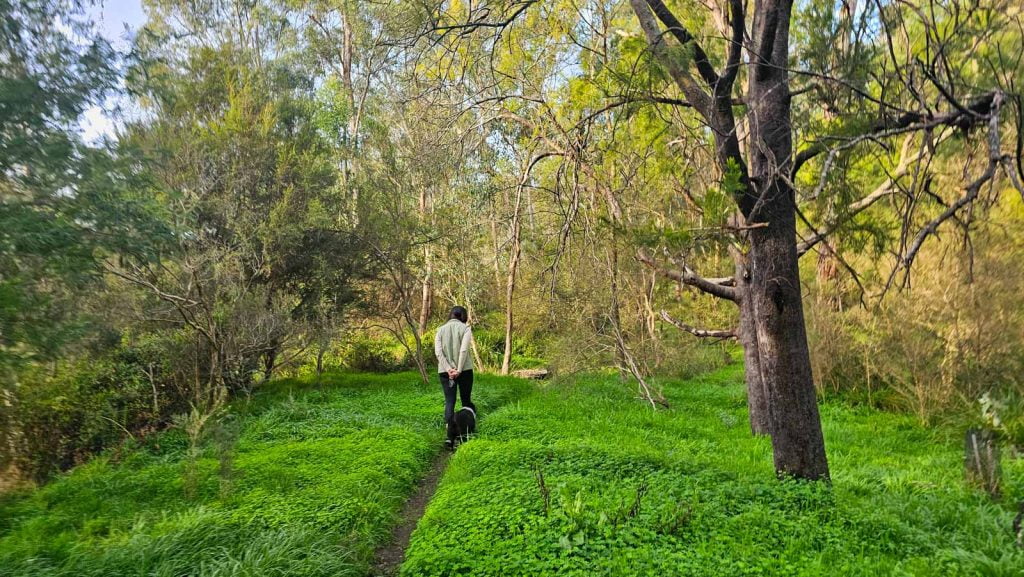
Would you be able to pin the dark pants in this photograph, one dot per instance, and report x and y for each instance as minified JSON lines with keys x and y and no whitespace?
{"x":464,"y":382}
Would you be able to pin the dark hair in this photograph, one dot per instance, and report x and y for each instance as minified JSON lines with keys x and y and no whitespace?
{"x":459,"y":313}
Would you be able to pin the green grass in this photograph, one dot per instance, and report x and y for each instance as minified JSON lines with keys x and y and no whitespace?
{"x":316,"y":478}
{"x":689,"y":492}
{"x":316,"y":481}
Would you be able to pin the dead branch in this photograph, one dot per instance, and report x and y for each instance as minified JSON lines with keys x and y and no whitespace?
{"x":647,"y":392}
{"x":888,"y":187}
{"x":971,"y":192}
{"x":687,"y":276}
{"x":702,"y":333}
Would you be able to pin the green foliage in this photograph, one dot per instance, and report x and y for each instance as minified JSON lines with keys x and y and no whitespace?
{"x":84,"y":407}
{"x":527,"y":351}
{"x":315,"y":479}
{"x":58,"y":197}
{"x":630,"y":491}
{"x":375,"y":355}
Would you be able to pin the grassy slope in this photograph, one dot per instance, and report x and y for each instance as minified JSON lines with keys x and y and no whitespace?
{"x":709,"y":503}
{"x":316,"y":482}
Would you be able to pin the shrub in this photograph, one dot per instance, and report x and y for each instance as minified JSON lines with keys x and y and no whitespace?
{"x":371,"y":355}
{"x":63,"y":416}
{"x":937,"y":347}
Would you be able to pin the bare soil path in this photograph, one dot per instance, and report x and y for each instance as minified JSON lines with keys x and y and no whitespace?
{"x":389,"y":558}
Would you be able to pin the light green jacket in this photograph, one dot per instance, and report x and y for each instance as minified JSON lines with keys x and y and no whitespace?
{"x":452,"y":346}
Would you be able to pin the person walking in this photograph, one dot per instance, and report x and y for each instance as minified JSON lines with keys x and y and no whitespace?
{"x":453,"y":344}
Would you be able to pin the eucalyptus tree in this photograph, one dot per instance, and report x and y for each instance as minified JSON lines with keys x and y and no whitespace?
{"x":903,"y":73}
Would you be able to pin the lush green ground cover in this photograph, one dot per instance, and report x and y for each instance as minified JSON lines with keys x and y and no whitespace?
{"x":309,"y":483}
{"x":689,"y":492}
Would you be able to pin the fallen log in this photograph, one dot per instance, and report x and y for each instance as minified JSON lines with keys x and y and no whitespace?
{"x":536,"y":374}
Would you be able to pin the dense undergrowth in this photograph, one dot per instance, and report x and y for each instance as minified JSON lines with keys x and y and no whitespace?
{"x":580,"y":480}
{"x":299,"y":480}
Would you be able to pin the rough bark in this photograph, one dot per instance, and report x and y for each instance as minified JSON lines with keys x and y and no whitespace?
{"x":771,"y":302}
{"x":774,"y":291}
{"x":757,"y":397}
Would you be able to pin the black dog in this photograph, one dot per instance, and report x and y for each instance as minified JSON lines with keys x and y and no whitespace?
{"x":462,"y":426}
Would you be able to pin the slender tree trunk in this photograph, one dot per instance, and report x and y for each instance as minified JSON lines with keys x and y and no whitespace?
{"x":270,"y":360}
{"x":352,"y":126}
{"x":650,"y":317}
{"x":620,"y":343}
{"x":421,"y":366}
{"x":497,"y":248}
{"x":510,"y":287}
{"x":615,"y":213}
{"x":427,"y":298}
{"x":320,"y":352}
{"x":477,"y":361}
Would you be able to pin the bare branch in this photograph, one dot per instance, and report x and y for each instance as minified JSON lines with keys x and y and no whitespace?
{"x":964,"y":118}
{"x":883,"y":190}
{"x":995,"y":159}
{"x":702,"y":333}
{"x":473,"y":25}
{"x":681,"y":34}
{"x":647,"y":392}
{"x":690,"y":278}
{"x":699,"y":98}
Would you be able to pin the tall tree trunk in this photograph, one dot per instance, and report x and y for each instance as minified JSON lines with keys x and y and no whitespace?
{"x":352,"y":126}
{"x":615,"y":214}
{"x":427,"y":298}
{"x":774,"y":291}
{"x":770,"y":301}
{"x":620,"y":343}
{"x":477,"y":361}
{"x":496,"y":243}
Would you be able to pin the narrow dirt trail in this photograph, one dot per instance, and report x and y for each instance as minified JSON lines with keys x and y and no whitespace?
{"x":388,"y":559}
